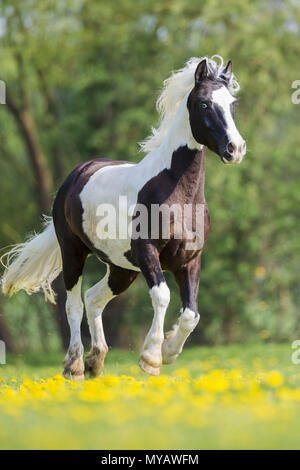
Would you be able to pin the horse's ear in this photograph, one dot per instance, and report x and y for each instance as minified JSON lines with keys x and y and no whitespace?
{"x":227,"y":72}
{"x":201,"y":72}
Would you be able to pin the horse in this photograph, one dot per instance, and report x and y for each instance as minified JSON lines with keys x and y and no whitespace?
{"x":196,"y":109}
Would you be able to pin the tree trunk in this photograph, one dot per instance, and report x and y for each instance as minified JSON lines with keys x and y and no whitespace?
{"x":53,"y":111}
{"x":43,"y":181}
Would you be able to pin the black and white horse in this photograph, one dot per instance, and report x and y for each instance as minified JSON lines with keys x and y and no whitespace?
{"x":196,"y":108}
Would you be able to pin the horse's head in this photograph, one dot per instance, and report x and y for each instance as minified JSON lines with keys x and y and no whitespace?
{"x":211,"y":113}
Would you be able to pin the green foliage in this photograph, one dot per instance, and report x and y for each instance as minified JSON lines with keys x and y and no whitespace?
{"x":103,"y":63}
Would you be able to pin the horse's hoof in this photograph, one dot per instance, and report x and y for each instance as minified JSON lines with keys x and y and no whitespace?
{"x":148,"y":368}
{"x":73,"y":369}
{"x":94,"y":362}
{"x":168,"y":356}
{"x":73,"y":377}
{"x":92,"y":370}
{"x":169,"y":359}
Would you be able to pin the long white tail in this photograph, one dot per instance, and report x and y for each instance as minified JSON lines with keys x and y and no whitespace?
{"x":33,"y":265}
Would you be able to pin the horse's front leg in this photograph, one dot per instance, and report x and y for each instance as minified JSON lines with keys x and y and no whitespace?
{"x":187,"y":278}
{"x":151,"y":356}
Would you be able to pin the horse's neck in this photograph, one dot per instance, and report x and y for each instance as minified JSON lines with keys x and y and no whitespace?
{"x":181,"y":154}
{"x":188,"y":168}
{"x":179,"y":135}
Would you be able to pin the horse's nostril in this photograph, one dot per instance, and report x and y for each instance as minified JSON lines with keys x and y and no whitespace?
{"x":228,"y":157}
{"x":230,"y":148}
{"x":244,"y":147}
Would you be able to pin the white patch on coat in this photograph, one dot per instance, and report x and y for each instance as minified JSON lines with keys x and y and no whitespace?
{"x":160,"y":295}
{"x":224,"y":99}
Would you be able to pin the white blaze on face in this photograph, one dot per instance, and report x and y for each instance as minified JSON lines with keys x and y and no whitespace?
{"x":224,"y":99}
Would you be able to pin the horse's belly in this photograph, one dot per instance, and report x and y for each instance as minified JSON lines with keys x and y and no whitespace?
{"x":117,"y":251}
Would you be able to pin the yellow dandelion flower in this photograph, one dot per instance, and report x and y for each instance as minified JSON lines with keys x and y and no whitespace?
{"x":274,"y":379}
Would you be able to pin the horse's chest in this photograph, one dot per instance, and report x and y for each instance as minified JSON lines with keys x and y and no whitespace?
{"x":181,"y":203}
{"x":179,"y":250}
{"x":181,"y":230}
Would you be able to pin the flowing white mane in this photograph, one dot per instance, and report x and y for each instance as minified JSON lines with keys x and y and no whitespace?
{"x":174,"y":90}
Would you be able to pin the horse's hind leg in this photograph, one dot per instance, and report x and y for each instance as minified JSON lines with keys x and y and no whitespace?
{"x":96,"y":298}
{"x":73,"y":363}
{"x":74,"y":254}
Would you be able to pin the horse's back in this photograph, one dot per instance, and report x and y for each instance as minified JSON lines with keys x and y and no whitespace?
{"x":78,"y":178}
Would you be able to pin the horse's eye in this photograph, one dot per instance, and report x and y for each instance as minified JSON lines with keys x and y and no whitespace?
{"x":203,"y":105}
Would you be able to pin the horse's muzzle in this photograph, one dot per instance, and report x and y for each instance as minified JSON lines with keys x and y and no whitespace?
{"x":234,"y":153}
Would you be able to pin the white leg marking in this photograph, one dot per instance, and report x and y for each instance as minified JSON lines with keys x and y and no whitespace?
{"x":173,"y":344}
{"x":96,"y":299}
{"x":73,"y":362}
{"x":151,"y":357}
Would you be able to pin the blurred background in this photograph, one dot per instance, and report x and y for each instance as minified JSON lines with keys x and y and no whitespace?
{"x":82,"y":79}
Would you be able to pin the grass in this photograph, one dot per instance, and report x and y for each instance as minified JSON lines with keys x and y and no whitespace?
{"x":231,"y":397}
